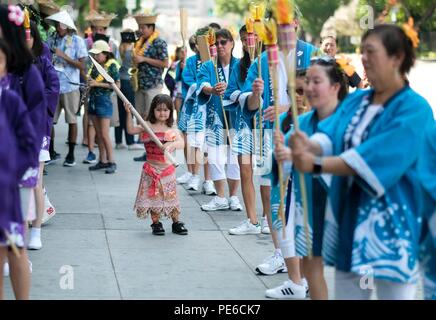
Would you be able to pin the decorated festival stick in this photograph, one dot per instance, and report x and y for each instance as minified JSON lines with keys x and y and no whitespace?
{"x":214,"y":55}
{"x":287,"y":41}
{"x":251,"y":41}
{"x":26,"y":23}
{"x":257,"y":10}
{"x":141,"y":121}
{"x":273,"y":61}
{"x":184,"y":26}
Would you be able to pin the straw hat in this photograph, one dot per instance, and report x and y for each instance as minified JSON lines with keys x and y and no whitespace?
{"x":143,"y":18}
{"x":102,"y":19}
{"x":48,"y":7}
{"x":64,"y":18}
{"x":99,"y":47}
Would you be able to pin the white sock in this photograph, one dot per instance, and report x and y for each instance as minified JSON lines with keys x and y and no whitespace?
{"x":304,"y":282}
{"x":278,"y":252}
{"x":35,"y":233}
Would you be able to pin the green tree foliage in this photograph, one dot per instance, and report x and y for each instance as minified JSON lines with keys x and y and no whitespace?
{"x":422,"y":11}
{"x":316,"y":12}
{"x":239,"y":7}
{"x":117,"y":7}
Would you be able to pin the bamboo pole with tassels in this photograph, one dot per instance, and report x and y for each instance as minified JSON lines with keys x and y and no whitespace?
{"x":284,"y":10}
{"x":273,"y":61}
{"x":257,"y":10}
{"x":214,"y":55}
{"x":184,"y":27}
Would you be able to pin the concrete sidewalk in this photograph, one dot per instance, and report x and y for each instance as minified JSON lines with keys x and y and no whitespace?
{"x":110,"y":254}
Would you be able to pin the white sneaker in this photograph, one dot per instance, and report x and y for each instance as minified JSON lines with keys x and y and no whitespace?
{"x":306,"y":285}
{"x":215,"y":204}
{"x":246,"y":227}
{"x":49,"y":210}
{"x":135,"y":146}
{"x":272,"y":265}
{"x":194,"y":183}
{"x":288,"y":290}
{"x":209,"y":188}
{"x":184,"y":178}
{"x":6,"y":269}
{"x":35,"y":241}
{"x":235,"y":205}
{"x":265,"y":226}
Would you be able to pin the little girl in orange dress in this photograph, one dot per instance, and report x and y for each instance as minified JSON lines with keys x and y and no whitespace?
{"x":157,"y":193}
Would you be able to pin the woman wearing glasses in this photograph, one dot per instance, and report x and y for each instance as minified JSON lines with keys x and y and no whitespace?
{"x":371,"y":146}
{"x":210,"y":91}
{"x":326,"y":86}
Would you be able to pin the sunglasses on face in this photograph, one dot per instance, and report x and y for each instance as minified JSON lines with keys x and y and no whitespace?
{"x":222,"y":42}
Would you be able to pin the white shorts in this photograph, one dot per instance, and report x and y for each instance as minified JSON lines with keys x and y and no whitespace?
{"x":351,"y":286}
{"x":263,"y":181}
{"x":44,"y":155}
{"x":196,"y":139}
{"x":218,"y":158}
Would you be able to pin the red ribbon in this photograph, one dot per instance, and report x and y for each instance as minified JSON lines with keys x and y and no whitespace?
{"x":151,"y":172}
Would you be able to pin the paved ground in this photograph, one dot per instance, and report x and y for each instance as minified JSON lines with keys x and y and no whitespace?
{"x":113,"y":255}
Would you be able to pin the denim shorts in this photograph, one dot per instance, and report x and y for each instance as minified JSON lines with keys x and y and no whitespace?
{"x":100,"y":106}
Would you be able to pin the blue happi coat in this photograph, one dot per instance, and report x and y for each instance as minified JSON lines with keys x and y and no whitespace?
{"x":377,"y":212}
{"x":304,"y":52}
{"x":243,"y":137}
{"x":189,"y":86}
{"x":427,"y":170}
{"x":211,"y":104}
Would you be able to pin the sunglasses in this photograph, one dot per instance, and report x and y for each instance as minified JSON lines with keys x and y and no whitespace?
{"x":222,"y":42}
{"x":299,"y":91}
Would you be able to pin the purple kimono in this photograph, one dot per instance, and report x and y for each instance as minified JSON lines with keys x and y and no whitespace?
{"x":29,"y":86}
{"x":52,"y":87}
{"x":18,"y":141}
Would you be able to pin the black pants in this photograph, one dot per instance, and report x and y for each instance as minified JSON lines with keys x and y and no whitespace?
{"x":127,"y":90}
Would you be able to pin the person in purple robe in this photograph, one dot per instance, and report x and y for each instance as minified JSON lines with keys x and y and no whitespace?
{"x":18,"y":141}
{"x":51,"y":82}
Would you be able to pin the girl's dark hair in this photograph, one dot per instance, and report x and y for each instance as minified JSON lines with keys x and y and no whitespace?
{"x":21,"y":56}
{"x":157,"y":100}
{"x":396,"y":42}
{"x":334,"y":73}
{"x":6,"y":51}
{"x":192,"y":42}
{"x":245,"y":61}
{"x":37,"y":42}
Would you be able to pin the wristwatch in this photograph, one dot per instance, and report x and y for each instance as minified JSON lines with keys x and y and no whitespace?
{"x":317,"y":166}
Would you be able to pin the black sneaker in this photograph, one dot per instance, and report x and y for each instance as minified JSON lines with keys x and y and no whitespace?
{"x":112,"y":168}
{"x":158,"y":229}
{"x":179,"y":228}
{"x":141,"y":158}
{"x":69,"y":161}
{"x":98,"y":166}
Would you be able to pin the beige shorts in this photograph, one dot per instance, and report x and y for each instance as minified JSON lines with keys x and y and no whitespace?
{"x":70,"y":103}
{"x":143,"y":99}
